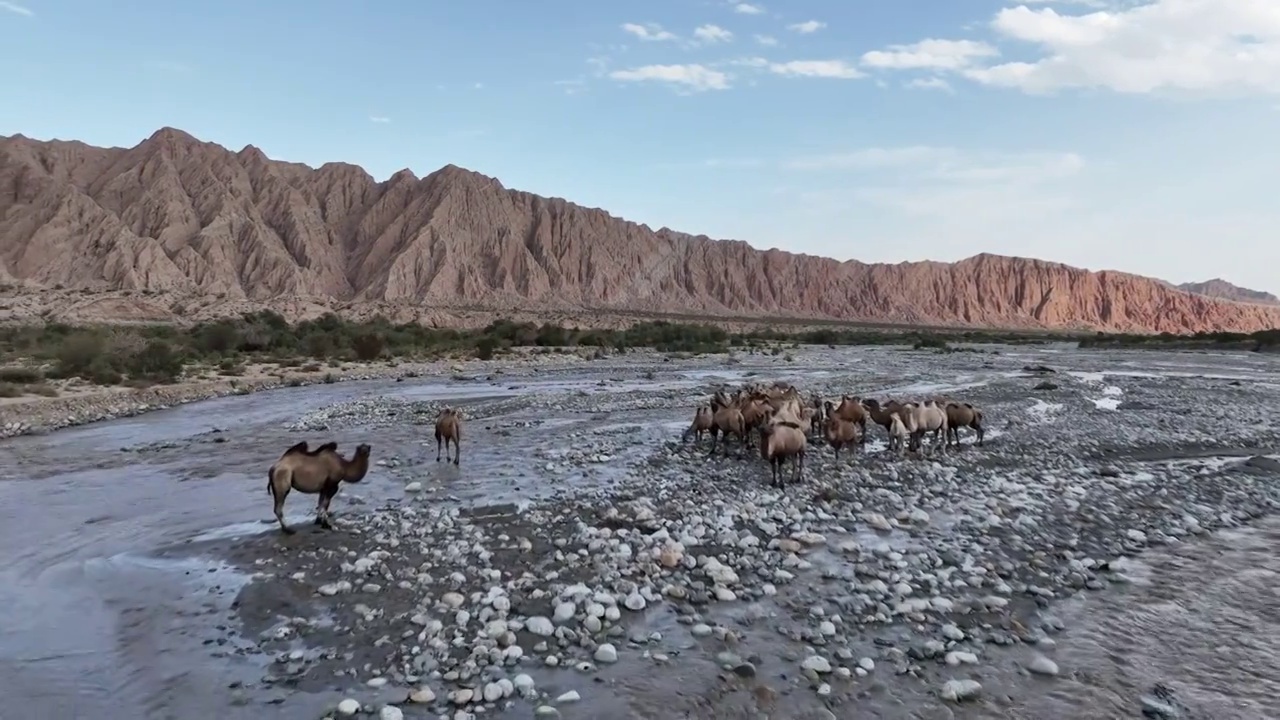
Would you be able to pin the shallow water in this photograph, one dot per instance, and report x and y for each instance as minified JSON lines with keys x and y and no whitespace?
{"x":96,"y":626}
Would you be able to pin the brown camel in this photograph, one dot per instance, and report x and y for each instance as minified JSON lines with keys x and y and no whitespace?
{"x":322,"y":471}
{"x":703,"y":421}
{"x":964,"y":415}
{"x":449,"y":430}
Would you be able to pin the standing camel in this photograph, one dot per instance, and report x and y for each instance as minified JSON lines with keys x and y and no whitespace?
{"x":449,"y":429}
{"x":321,"y":471}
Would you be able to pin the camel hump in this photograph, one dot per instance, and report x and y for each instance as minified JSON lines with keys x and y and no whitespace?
{"x":968,"y":406}
{"x":296,"y":449}
{"x":327,"y":447}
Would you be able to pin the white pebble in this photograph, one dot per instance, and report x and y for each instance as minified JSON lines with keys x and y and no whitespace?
{"x":606,"y":653}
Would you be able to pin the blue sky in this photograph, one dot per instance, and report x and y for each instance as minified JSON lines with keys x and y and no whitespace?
{"x":1113,"y":134}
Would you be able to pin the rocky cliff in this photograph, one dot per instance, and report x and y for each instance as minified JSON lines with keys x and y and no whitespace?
{"x":1223,"y":290}
{"x":179,"y":217}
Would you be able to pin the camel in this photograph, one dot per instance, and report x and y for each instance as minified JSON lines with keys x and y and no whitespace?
{"x":964,"y":415}
{"x":727,"y":420}
{"x":753,"y":411}
{"x":924,"y":418}
{"x":703,"y":421}
{"x":851,"y":409}
{"x":449,"y":430}
{"x":820,"y":413}
{"x":322,"y":471}
{"x":782,"y":438}
{"x":841,"y":433}
{"x":882,"y":415}
{"x":898,"y":434}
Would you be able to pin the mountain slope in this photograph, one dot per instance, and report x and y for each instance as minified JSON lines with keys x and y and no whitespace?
{"x":177,"y":215}
{"x":1223,"y":290}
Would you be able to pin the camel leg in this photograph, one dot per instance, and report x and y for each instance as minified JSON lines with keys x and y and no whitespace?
{"x":439,"y":444}
{"x":323,"y":517}
{"x":457,"y":452}
{"x":800,"y":467}
{"x":715,"y":440}
{"x":981,"y":434}
{"x":278,"y":495}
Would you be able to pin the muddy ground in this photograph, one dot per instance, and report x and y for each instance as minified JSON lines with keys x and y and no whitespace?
{"x":584,"y":562}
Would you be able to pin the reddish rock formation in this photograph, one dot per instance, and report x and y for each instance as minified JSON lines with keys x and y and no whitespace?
{"x":175,"y":216}
{"x":1223,"y":290}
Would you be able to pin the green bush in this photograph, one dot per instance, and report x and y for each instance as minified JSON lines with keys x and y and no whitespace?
{"x":485,"y":347}
{"x":80,"y":352}
{"x":368,"y":346}
{"x":21,"y":376}
{"x":156,"y":361}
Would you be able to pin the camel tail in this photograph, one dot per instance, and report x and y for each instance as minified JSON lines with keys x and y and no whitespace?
{"x":271,"y":478}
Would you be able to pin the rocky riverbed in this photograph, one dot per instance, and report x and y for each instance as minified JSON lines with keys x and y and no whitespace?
{"x":586,"y":562}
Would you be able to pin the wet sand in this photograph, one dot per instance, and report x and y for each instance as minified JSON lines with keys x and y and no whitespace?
{"x":139,"y":599}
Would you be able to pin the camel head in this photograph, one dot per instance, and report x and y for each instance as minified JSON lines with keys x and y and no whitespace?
{"x":354,"y":470}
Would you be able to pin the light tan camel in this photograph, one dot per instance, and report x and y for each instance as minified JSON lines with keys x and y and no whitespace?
{"x":449,"y":430}
{"x":321,"y":471}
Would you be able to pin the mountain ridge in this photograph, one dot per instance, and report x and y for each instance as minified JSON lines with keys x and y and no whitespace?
{"x":181,"y":217}
{"x":1223,"y":290}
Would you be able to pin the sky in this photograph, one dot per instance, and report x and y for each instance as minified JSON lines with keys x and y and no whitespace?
{"x":1135,"y":135}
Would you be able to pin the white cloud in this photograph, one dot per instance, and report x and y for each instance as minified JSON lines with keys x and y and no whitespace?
{"x":712,"y":34}
{"x":940,"y":189}
{"x":807,"y":27}
{"x":931,"y":54}
{"x":649,"y":32}
{"x":816,"y":69}
{"x":931,"y":83}
{"x":1086,"y":3}
{"x":16,"y":9}
{"x":1160,"y":45}
{"x":767,"y":40}
{"x":748,"y":9}
{"x":380,"y":119}
{"x":695,"y":78}
{"x":950,"y":165}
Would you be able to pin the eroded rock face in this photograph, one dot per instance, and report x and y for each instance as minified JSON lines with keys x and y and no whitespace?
{"x":178,"y":217}
{"x":1223,"y":290}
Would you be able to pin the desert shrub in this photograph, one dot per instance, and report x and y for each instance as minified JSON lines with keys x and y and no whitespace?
{"x":80,"y":352}
{"x":157,"y":360}
{"x":368,"y":346}
{"x":21,"y":376}
{"x":485,"y":348}
{"x":218,"y":338}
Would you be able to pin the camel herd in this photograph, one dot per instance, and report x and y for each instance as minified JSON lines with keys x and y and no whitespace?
{"x":785,"y":423}
{"x":782,"y":421}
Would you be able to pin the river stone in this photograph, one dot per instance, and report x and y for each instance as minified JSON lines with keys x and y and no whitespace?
{"x":960,"y":690}
{"x":539,"y":625}
{"x":348,"y":707}
{"x":390,"y":712}
{"x":1041,"y":665}
{"x":816,"y":663}
{"x":565,"y":612}
{"x":606,"y":653}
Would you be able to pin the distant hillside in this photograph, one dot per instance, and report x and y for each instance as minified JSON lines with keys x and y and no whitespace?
{"x":1223,"y":290}
{"x":174,"y":218}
